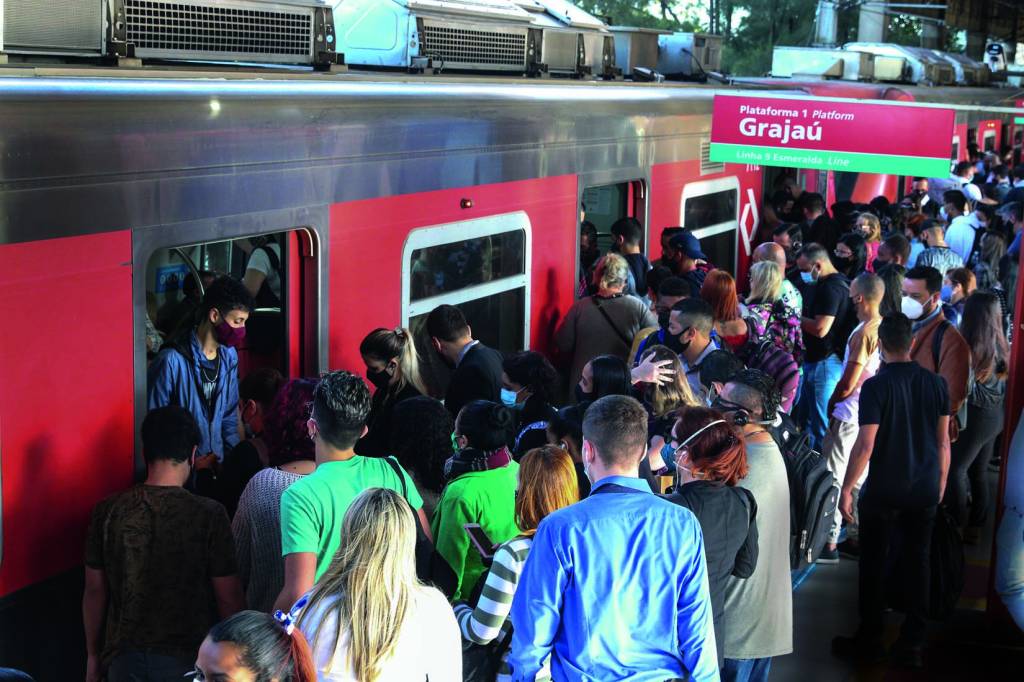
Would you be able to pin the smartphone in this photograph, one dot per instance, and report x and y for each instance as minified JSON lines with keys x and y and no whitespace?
{"x":480,"y":540}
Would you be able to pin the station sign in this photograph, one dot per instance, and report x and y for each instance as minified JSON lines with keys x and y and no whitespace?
{"x":895,"y":139}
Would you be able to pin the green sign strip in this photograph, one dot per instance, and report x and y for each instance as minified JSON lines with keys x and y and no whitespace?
{"x":1018,"y":120}
{"x":855,"y":162}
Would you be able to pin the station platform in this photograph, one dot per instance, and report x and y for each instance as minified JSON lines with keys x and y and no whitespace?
{"x":965,"y":647}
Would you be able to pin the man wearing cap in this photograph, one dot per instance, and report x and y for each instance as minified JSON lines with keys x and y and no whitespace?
{"x":689,"y":261}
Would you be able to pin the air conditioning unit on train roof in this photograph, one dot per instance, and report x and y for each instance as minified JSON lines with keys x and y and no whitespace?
{"x":261,"y":31}
{"x":925,"y":67}
{"x":791,"y":62}
{"x":506,"y":36}
{"x":967,"y":71}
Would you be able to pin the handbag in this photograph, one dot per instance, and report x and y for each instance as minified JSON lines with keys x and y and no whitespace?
{"x":431,"y":567}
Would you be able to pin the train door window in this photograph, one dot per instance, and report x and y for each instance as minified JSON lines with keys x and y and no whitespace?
{"x":605,"y":204}
{"x":972,"y":138}
{"x":955,"y":157}
{"x":482,"y":267}
{"x":710,"y":209}
{"x":989,"y":141}
{"x":176,"y":279}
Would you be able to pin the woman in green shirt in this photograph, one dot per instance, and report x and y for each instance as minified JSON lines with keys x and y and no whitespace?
{"x":481,"y":489}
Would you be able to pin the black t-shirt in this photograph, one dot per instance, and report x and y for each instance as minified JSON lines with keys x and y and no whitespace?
{"x":906,"y":401}
{"x":639,"y":264}
{"x":828,"y":296}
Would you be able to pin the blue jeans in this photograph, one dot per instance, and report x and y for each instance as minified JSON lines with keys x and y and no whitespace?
{"x":746,"y":669}
{"x":1010,"y":563}
{"x":819,"y":380}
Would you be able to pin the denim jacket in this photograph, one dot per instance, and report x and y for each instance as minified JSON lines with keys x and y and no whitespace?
{"x":174,"y":379}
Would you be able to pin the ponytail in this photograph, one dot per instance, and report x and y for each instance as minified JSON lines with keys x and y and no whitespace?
{"x":395,"y":344}
{"x":300,"y":658}
{"x":271,"y":647}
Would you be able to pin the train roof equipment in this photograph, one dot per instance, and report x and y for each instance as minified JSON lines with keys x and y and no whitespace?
{"x":292,"y":32}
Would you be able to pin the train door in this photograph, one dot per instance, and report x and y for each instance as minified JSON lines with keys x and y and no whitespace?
{"x":955,"y":155}
{"x":481,"y":266}
{"x":281,"y":268}
{"x":710,"y":209}
{"x":988,"y":139}
{"x":606,"y":203}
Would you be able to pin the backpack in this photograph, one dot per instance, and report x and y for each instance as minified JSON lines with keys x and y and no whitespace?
{"x":481,"y":662}
{"x":431,"y":567}
{"x":763,"y":354}
{"x":813,"y":494}
{"x":265,"y":327}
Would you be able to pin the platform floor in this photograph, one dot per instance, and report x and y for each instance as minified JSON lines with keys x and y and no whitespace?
{"x":963,"y":648}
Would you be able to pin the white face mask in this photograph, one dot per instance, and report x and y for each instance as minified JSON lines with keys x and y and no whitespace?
{"x":911,"y":308}
{"x":943,"y":214}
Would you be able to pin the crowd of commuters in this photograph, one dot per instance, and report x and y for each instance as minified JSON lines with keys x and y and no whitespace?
{"x":632,"y":523}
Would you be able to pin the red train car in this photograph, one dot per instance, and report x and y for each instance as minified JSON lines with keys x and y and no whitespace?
{"x":113,"y":189}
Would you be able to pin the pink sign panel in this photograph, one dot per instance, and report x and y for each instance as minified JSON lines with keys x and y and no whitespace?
{"x":898,"y":139}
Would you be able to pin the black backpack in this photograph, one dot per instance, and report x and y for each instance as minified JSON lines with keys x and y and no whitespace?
{"x":813,"y":494}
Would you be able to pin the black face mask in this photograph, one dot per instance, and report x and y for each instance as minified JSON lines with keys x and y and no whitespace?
{"x":380,"y":379}
{"x":672,"y":343}
{"x":663,"y":319}
{"x":878,"y":264}
{"x":682,"y":345}
{"x":842,"y":264}
{"x":582,"y":397}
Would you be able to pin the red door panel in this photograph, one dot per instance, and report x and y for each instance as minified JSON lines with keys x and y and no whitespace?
{"x":66,"y":386}
{"x":367,"y":239}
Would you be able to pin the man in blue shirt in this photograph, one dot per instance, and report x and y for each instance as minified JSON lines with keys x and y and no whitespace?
{"x":615,"y":587}
{"x":199,"y":369}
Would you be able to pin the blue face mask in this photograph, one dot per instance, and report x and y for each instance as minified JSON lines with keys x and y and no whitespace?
{"x":807,"y":277}
{"x":947,"y":293}
{"x":508,"y":398}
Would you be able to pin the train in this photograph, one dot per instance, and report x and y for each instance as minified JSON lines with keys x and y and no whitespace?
{"x":116,"y":185}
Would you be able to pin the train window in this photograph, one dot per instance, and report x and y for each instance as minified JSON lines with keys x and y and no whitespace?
{"x":972,"y":138}
{"x":607,"y":203}
{"x":482,"y":266}
{"x":989,"y":138}
{"x":710,"y":209}
{"x":177,"y":277}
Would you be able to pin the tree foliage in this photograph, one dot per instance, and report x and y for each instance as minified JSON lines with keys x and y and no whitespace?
{"x":751,"y":28}
{"x":665,"y":14}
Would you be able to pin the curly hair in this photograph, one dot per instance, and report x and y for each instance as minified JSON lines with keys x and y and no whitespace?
{"x":286,"y":432}
{"x":533,"y":371}
{"x":422,"y":440}
{"x":758,"y":386}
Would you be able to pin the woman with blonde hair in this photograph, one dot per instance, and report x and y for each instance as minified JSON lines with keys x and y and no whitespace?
{"x":672,"y":393}
{"x":393,"y":367}
{"x":768,"y":312}
{"x":870,"y":227}
{"x":547,"y":483}
{"x":605,"y":323}
{"x":369,"y":619}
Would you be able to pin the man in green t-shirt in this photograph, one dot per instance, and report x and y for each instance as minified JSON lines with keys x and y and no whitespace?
{"x":313,"y":508}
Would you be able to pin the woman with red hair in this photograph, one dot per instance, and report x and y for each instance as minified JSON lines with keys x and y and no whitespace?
{"x":711,"y":457}
{"x":719,"y":291}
